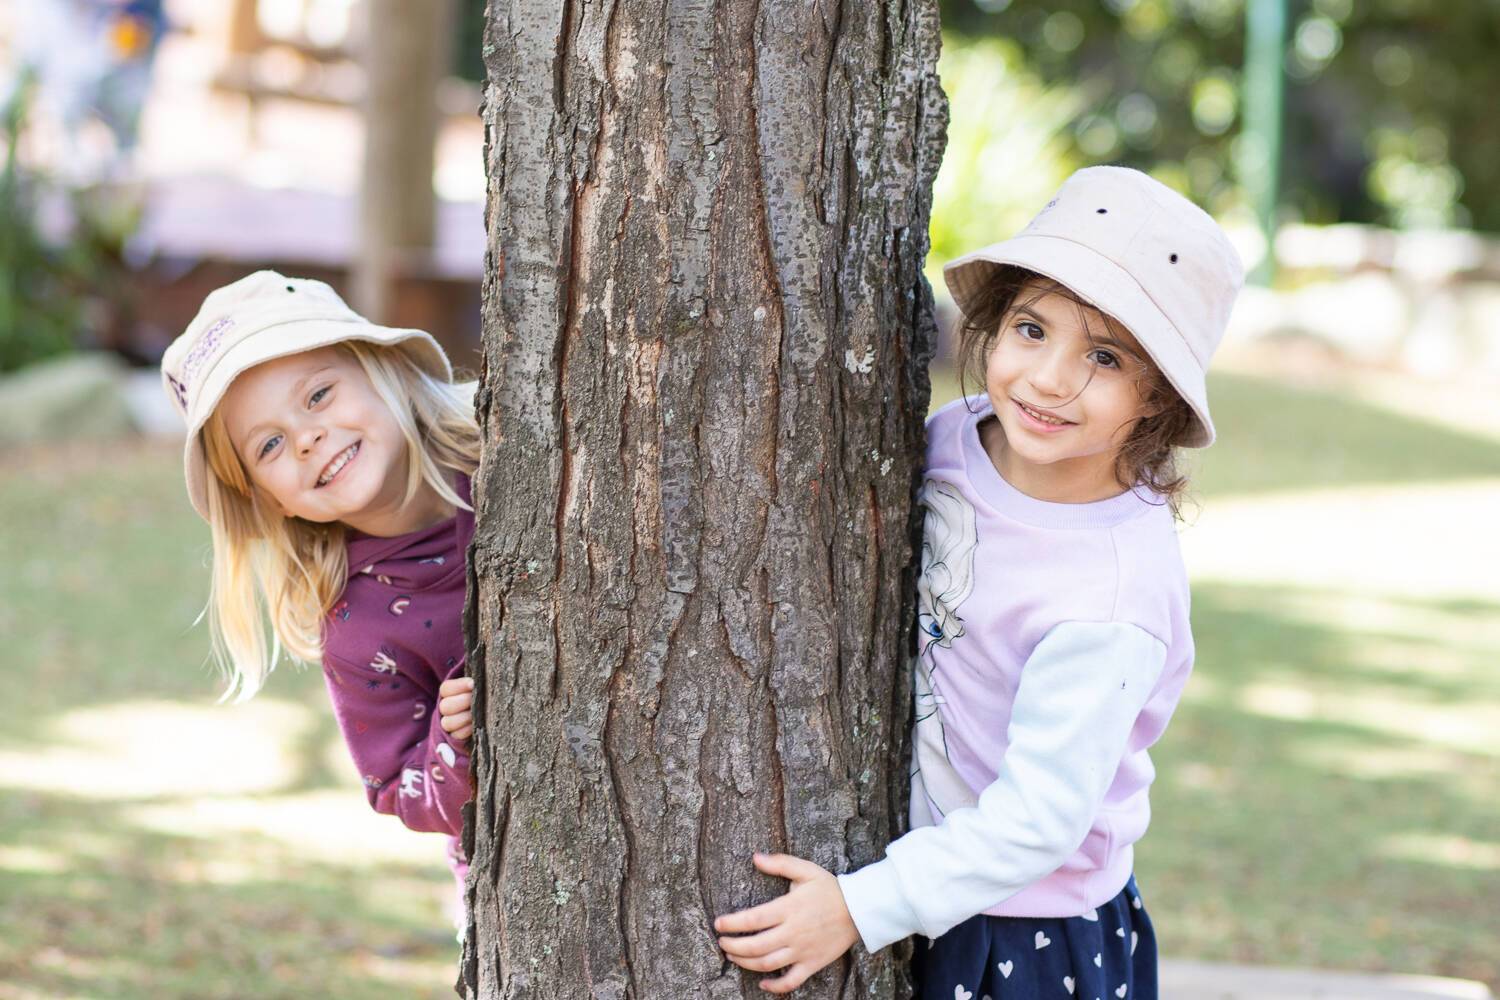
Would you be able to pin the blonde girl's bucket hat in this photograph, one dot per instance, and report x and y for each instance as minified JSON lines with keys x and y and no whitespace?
{"x":260,"y":317}
{"x":1138,"y":251}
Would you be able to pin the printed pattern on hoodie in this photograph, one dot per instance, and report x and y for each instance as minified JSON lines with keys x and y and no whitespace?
{"x":392,"y":638}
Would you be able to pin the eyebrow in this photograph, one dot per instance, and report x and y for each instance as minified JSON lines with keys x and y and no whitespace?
{"x":1108,"y":341}
{"x":298,"y":388}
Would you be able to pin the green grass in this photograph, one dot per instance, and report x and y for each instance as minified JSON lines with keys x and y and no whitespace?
{"x":1328,"y":794}
{"x":120,"y":875}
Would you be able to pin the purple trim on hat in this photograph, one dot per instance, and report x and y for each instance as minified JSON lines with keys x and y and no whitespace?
{"x":200,"y":354}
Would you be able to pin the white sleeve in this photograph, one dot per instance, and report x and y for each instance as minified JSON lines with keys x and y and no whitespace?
{"x":1081,"y":691}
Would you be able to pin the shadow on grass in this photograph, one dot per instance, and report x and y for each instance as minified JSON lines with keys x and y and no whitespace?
{"x":92,"y":905}
{"x":113,"y":751}
{"x":1274,"y":436}
{"x":1328,"y":792}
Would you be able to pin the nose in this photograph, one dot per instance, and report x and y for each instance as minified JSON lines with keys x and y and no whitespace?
{"x":308,"y":438}
{"x":1049,"y":375}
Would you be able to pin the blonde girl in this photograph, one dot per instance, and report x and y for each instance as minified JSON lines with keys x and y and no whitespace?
{"x":331,"y":458}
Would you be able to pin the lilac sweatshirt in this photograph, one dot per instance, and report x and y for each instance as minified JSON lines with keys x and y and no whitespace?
{"x":394,"y":635}
{"x":1054,"y":644}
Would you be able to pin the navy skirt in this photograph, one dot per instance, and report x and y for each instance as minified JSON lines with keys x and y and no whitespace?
{"x":1106,"y":954}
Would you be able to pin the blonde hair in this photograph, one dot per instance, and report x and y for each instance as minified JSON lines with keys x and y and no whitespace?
{"x":289,"y":572}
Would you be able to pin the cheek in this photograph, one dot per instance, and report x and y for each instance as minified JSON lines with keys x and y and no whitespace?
{"x":998,"y":366}
{"x":274,"y":490}
{"x":373,"y":415}
{"x":1126,"y":410}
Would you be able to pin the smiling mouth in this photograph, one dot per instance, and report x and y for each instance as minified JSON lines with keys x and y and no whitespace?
{"x":337,"y":464}
{"x":1038,"y":415}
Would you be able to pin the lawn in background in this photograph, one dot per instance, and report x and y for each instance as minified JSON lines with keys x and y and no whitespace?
{"x":155,"y":844}
{"x":1328,"y":795}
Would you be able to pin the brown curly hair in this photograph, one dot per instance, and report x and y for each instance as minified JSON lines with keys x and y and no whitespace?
{"x":1148,"y":455}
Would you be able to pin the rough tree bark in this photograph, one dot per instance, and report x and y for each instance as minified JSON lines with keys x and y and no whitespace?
{"x":705,"y":348}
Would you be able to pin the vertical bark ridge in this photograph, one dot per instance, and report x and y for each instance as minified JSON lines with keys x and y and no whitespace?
{"x":702,"y":310}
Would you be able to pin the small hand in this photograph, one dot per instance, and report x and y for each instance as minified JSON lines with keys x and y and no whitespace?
{"x":799,"y":932}
{"x":455,"y":698}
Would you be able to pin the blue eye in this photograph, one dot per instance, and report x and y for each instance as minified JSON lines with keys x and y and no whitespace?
{"x":265,"y":449}
{"x":933,"y":630}
{"x":319,"y":395}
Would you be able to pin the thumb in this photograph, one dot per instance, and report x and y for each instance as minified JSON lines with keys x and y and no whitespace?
{"x":786,"y":866}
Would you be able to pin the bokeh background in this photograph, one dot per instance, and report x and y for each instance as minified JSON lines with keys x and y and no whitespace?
{"x":1329,"y":793}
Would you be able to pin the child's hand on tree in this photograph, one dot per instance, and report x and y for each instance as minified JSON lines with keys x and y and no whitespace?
{"x":799,"y":933}
{"x":455,"y":697}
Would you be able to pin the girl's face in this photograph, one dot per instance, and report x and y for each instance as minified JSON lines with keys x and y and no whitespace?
{"x":317,"y":439}
{"x":1065,"y":401}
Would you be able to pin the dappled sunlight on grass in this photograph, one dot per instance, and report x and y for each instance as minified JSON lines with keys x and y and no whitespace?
{"x":1471,"y":726}
{"x":154,"y":844}
{"x":1463,"y":626}
{"x":1442,"y":849}
{"x":235,"y":914}
{"x":334,"y":827}
{"x":1302,"y":773}
{"x":1352,"y":756}
{"x":1418,"y":540}
{"x":410,"y":972}
{"x":38,"y":860}
{"x":154,"y":749}
{"x":1279,"y":437}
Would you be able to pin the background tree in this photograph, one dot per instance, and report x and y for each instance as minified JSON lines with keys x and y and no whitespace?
{"x":1389,"y":105}
{"x":406,"y":51}
{"x":705,"y":348}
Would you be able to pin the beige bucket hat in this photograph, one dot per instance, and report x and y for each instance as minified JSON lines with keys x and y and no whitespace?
{"x":263,"y":316}
{"x":1142,"y":253}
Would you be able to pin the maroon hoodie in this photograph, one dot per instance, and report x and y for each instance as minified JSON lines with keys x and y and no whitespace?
{"x":394,"y":635}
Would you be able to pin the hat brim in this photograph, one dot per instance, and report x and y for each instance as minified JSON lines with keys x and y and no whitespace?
{"x":265,"y":346}
{"x":1107,"y":287}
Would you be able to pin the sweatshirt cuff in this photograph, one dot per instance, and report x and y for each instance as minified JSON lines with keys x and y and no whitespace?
{"x":877,"y":905}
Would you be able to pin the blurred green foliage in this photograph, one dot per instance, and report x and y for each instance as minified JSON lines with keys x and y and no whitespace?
{"x":1005,"y":124}
{"x":61,"y":279}
{"x":1390,"y":107}
{"x":469,"y":56}
{"x":37,"y":315}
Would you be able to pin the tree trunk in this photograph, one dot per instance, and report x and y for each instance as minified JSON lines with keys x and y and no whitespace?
{"x":406,"y":52}
{"x":706,"y":334}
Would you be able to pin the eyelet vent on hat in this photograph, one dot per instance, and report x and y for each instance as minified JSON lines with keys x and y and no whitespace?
{"x":1102,"y":211}
{"x":290,"y":288}
{"x":1174,"y":258}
